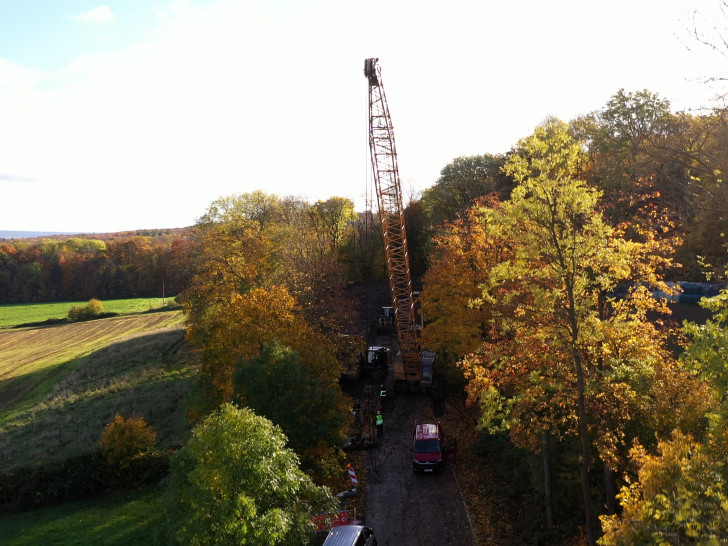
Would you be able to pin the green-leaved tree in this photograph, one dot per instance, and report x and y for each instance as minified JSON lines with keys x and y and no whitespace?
{"x":236,"y":482}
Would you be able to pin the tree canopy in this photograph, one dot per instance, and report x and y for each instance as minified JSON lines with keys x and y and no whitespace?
{"x":236,"y":482}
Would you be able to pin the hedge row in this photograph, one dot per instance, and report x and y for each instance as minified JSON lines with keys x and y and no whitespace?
{"x":79,"y":477}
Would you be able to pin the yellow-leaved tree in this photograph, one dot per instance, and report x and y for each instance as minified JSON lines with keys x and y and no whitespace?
{"x":563,"y":357}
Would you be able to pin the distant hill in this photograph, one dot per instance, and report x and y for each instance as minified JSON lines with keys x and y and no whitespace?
{"x":30,"y":234}
{"x":9,"y":234}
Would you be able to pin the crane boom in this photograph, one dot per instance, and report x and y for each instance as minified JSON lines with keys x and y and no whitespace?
{"x":389,"y":197}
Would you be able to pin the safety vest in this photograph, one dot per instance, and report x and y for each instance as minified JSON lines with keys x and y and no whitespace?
{"x":383,"y":393}
{"x":380,"y":419}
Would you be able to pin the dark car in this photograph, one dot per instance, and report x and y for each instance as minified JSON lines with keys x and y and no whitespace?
{"x":351,"y":535}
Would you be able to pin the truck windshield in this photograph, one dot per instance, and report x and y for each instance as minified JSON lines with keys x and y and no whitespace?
{"x":427,"y":446}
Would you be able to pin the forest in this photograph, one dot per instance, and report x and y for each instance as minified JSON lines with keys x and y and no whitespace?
{"x":539,"y":268}
{"x":539,"y":271}
{"x":124,"y":265}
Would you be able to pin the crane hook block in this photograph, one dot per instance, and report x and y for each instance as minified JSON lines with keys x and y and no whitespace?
{"x":370,"y":71}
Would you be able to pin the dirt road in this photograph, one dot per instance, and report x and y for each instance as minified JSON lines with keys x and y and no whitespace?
{"x":405,"y":508}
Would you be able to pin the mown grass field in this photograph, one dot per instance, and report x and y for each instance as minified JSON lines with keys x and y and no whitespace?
{"x":60,"y":385}
{"x":14,"y":314}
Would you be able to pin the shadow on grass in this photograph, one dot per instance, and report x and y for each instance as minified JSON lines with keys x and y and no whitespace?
{"x":129,"y":518}
{"x":22,"y":392}
{"x":62,"y":412}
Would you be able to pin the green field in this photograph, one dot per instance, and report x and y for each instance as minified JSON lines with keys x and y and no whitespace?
{"x":15,"y":314}
{"x":124,"y":519}
{"x":59,"y":386}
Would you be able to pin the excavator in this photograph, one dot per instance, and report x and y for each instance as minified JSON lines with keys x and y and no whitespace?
{"x":414,"y":368}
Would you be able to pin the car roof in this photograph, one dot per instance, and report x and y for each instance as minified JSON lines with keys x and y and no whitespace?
{"x":426,"y":431}
{"x":343,"y":535}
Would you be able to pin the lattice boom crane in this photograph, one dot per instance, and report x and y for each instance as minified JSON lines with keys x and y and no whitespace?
{"x":417,"y":365}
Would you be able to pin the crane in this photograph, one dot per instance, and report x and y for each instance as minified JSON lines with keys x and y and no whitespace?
{"x":417,"y":366}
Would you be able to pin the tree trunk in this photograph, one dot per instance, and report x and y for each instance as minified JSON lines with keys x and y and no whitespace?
{"x":585,"y":445}
{"x":547,"y":479}
{"x":610,"y":490}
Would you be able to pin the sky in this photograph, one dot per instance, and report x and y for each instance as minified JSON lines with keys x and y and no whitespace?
{"x":137,"y":114}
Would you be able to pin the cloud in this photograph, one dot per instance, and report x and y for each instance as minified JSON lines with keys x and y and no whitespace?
{"x":102,"y":14}
{"x":4,"y":177}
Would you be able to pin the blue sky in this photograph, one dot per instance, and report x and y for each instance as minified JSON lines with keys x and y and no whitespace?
{"x":135,"y":115}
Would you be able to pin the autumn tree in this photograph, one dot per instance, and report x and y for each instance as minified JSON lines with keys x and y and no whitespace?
{"x":331,"y":218}
{"x":661,"y":174}
{"x":464,"y":252}
{"x":547,"y":354}
{"x":699,"y":145}
{"x":620,"y":135}
{"x":312,"y":266}
{"x":124,"y":440}
{"x":679,"y":498}
{"x":707,"y":356}
{"x":236,"y":482}
{"x":678,"y":495}
{"x":264,"y":279}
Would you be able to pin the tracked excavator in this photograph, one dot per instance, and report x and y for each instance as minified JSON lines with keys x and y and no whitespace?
{"x":414,"y":368}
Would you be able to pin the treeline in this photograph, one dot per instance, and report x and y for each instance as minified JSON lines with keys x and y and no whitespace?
{"x":624,"y":416}
{"x":661,"y":174}
{"x":80,"y":268}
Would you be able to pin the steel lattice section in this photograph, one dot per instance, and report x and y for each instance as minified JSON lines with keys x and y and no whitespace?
{"x":386,"y":172}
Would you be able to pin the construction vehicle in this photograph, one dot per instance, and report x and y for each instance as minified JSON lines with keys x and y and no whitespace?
{"x":413,"y":367}
{"x":386,"y":318}
{"x":358,"y":361}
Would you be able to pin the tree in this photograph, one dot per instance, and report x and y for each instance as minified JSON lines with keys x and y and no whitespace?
{"x":310,"y":413}
{"x":679,"y":498}
{"x":245,"y":324}
{"x":330,"y":219}
{"x":124,"y":440}
{"x":707,"y":356}
{"x":465,"y":251}
{"x":461,"y":181}
{"x":545,"y":367}
{"x":619,"y":137}
{"x":261,"y":274}
{"x":235,"y":482}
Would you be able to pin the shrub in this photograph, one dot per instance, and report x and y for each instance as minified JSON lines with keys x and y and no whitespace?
{"x":80,"y":477}
{"x":125,"y":440}
{"x":93,"y":309}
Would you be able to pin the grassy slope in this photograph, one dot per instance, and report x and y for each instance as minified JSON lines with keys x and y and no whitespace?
{"x":60,"y":385}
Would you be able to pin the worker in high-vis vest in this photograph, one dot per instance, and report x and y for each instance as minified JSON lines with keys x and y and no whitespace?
{"x":379,"y":421}
{"x":382,"y":394}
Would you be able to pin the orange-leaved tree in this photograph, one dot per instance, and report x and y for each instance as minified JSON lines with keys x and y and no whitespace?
{"x":464,"y":252}
{"x":124,"y":440}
